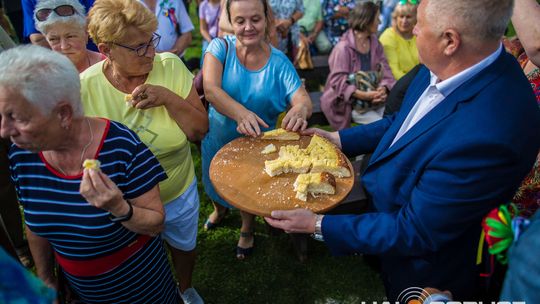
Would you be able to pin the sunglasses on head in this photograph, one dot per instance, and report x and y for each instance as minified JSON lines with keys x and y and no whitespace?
{"x":62,"y":10}
{"x":413,"y":2}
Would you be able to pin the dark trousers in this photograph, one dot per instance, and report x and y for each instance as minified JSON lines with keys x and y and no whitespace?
{"x":10,"y":214}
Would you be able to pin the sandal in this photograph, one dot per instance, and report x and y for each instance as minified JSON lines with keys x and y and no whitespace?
{"x":25,"y":256}
{"x":208,"y":225}
{"x":242,"y":253}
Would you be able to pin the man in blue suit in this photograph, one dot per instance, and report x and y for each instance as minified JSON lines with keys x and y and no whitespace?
{"x":466,"y":135}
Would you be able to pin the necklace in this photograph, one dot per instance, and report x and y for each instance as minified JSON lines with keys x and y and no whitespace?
{"x":84,"y":148}
{"x":117,"y":84}
{"x":362,"y":44}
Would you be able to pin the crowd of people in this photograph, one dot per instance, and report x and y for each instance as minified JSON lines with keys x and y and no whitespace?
{"x":445,"y":103}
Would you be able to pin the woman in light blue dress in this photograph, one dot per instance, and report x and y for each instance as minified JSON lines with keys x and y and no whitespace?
{"x":248,"y":84}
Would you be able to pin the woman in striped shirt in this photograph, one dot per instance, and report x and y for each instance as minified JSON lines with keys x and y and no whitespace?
{"x":99,"y":224}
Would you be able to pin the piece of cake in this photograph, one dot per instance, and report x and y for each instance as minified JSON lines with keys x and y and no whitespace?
{"x":326,"y":157}
{"x":320,"y":156}
{"x":128,"y":98}
{"x":269,"y":149}
{"x":314,"y":183}
{"x":281,"y":134}
{"x":279,"y":166}
{"x":91,"y":164}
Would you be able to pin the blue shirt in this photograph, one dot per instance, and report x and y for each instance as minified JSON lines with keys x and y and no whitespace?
{"x":266,"y":92}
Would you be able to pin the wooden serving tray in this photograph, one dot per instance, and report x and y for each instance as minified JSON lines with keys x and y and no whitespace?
{"x":237,"y":173}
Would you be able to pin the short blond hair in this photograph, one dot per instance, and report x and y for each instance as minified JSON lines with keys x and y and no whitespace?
{"x":108,"y":20}
{"x":404,"y":9}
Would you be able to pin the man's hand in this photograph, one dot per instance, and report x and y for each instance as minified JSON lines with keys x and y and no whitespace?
{"x":333,"y":137}
{"x":293,"y":221}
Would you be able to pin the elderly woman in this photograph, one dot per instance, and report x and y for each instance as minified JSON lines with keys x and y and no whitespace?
{"x":153,"y":94}
{"x":269,"y":84}
{"x":398,"y":41}
{"x":63,"y":23}
{"x":99,"y":224}
{"x":358,"y":51}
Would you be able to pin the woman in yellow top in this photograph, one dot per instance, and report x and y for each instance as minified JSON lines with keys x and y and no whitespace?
{"x":398,"y":40}
{"x":153,"y":94}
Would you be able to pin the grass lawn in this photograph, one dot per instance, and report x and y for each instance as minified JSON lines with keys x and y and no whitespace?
{"x":272,"y":274}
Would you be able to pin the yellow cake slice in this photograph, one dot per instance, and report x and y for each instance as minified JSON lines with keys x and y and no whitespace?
{"x":91,"y":164}
{"x":314,"y":183}
{"x":320,"y":156}
{"x":269,"y":149}
{"x":279,"y":166}
{"x":326,"y":157}
{"x":281,"y":134}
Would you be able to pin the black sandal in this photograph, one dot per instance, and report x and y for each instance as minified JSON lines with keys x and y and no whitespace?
{"x":208,"y":225}
{"x":242,"y":253}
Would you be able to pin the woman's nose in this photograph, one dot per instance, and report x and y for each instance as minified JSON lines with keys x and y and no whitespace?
{"x":64,"y":44}
{"x":5,"y":129}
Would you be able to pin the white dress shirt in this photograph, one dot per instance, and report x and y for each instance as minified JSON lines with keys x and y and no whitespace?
{"x":436,"y":92}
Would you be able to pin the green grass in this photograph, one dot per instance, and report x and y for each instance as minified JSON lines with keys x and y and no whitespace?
{"x":272,"y":274}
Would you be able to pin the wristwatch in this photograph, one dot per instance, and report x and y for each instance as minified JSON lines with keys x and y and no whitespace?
{"x":317,"y":235}
{"x":123,"y":218}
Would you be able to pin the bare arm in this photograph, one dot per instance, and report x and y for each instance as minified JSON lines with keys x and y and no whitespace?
{"x":316,"y":30}
{"x":43,"y":256}
{"x":188,"y":113}
{"x":525,"y":20}
{"x":182,"y":43}
{"x":101,"y":192}
{"x":247,"y":121}
{"x":203,"y":27}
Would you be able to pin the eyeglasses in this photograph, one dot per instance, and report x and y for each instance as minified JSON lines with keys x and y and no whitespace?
{"x":62,"y":10}
{"x":143,"y":49}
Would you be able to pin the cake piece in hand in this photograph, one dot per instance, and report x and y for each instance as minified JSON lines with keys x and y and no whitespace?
{"x":281,"y":134}
{"x":314,"y":183}
{"x":91,"y":164}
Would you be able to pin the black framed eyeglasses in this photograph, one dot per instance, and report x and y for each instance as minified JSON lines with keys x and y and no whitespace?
{"x":143,"y":49}
{"x":62,"y":10}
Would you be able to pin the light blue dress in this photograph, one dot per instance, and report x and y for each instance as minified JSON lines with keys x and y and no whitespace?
{"x":266,"y":92}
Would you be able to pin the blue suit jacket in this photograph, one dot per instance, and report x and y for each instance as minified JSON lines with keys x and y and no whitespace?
{"x":433,"y":186}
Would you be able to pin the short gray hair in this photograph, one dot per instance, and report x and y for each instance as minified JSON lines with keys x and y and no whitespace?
{"x":484,"y":20}
{"x":43,"y":77}
{"x":78,"y":19}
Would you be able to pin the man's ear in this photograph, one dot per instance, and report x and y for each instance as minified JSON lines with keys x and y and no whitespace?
{"x":452,"y":42}
{"x":105,"y":49}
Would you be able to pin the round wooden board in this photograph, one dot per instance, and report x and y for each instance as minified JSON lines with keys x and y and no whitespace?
{"x":237,"y":173}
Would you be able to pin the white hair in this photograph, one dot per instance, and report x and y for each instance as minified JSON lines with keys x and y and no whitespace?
{"x":484,"y":20}
{"x":78,"y":19}
{"x":43,"y":77}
